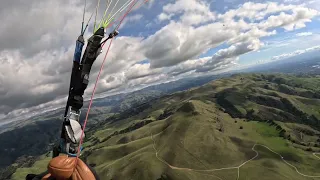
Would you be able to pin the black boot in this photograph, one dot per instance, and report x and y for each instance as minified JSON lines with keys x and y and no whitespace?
{"x":56,"y":151}
{"x":31,"y":176}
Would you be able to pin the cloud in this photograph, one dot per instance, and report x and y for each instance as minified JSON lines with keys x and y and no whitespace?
{"x":177,"y":42}
{"x":50,"y":24}
{"x":35,"y":68}
{"x":131,"y":19}
{"x":304,"y":34}
{"x":148,"y":80}
{"x":111,"y":82}
{"x":254,"y":33}
{"x":255,"y":11}
{"x":217,"y":66}
{"x":140,"y":70}
{"x":26,"y":82}
{"x":164,"y":16}
{"x":289,"y":17}
{"x":296,"y":20}
{"x":25,"y":113}
{"x":236,"y":50}
{"x":295,"y":53}
{"x":187,"y":66}
{"x":134,"y":18}
{"x":194,"y":12}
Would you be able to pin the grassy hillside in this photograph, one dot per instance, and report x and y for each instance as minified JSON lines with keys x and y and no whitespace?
{"x":235,"y":128}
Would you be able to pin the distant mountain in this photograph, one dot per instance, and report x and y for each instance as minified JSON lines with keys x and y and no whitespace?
{"x":155,"y":91}
{"x":263,"y":123}
{"x":308,"y":63}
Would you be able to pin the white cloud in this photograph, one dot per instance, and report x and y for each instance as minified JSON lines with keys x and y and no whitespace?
{"x":295,"y":53}
{"x":296,"y":20}
{"x":304,"y":34}
{"x":187,"y":66}
{"x":236,"y":50}
{"x":194,"y":12}
{"x":130,"y":20}
{"x":135,"y":17}
{"x":164,"y":16}
{"x":26,"y":80}
{"x":255,"y":11}
{"x":177,"y":42}
{"x":111,"y":82}
{"x":140,"y":70}
{"x":253,"y":33}
{"x":148,"y":80}
{"x":217,"y":66}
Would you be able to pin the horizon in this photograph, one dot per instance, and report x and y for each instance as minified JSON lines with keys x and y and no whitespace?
{"x":245,"y":70}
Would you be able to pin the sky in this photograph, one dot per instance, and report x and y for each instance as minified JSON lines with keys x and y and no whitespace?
{"x":159,"y":41}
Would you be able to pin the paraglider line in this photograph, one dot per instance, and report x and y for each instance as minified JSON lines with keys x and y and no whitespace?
{"x":95,"y":17}
{"x":84,"y":30}
{"x":84,"y":12}
{"x":120,"y":10}
{"x":129,"y":11}
{"x":114,"y":7}
{"x":122,"y":18}
{"x":112,"y":23}
{"x":91,"y":99}
{"x":96,"y":83}
{"x":104,"y":14}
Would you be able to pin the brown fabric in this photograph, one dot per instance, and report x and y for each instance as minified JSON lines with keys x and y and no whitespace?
{"x":62,"y":167}
{"x":82,"y":172}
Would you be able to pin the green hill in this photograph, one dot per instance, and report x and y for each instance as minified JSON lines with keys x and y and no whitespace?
{"x":251,"y":126}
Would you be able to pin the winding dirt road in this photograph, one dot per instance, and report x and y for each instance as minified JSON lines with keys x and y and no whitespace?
{"x":236,"y":167}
